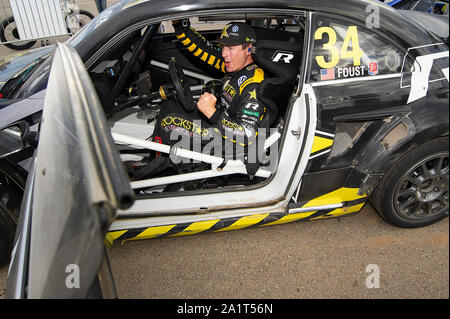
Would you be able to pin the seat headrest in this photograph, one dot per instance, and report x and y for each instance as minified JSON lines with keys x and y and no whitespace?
{"x":278,"y":35}
{"x":278,"y":58}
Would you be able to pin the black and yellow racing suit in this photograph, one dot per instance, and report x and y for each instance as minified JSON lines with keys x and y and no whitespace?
{"x":238,"y":114}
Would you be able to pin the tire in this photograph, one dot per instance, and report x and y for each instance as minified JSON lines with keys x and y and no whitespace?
{"x":9,"y":26}
{"x":414,"y":191}
{"x":77,"y":20}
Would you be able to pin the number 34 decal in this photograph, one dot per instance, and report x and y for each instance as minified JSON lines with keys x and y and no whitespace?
{"x":351,"y":36}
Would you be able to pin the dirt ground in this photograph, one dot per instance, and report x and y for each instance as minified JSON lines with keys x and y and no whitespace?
{"x":335,"y":258}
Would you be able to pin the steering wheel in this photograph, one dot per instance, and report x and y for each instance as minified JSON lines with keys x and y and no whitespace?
{"x":214,"y":87}
{"x":184,"y":94}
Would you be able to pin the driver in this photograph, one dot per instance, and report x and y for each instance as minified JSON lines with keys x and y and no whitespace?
{"x":237,"y":115}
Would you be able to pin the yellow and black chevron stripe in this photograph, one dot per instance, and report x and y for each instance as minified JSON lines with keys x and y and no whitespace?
{"x":197,"y":51}
{"x":354,"y":203}
{"x":322,"y":144}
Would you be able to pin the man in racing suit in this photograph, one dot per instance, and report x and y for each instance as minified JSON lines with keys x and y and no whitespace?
{"x":238,"y":114}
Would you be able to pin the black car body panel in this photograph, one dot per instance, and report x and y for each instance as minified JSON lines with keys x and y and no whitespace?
{"x":437,"y":24}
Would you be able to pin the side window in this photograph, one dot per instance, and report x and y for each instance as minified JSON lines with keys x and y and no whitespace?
{"x":343,"y":50}
{"x":439,"y":62}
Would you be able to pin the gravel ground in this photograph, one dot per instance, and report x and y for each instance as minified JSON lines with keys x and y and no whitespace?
{"x":300,"y":260}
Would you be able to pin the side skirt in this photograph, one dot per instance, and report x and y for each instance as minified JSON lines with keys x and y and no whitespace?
{"x":334,"y":204}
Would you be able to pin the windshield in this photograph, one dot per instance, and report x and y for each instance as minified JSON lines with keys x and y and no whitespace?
{"x":34,"y":81}
{"x":17,"y":69}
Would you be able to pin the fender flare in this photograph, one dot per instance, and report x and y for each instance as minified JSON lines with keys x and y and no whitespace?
{"x":400,"y":134}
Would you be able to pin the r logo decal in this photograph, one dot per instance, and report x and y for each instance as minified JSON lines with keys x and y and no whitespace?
{"x":285,"y":56}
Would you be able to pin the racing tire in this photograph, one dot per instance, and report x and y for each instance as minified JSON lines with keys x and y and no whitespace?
{"x":14,"y":46}
{"x":414,"y":191}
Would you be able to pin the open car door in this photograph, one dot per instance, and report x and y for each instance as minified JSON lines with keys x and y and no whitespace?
{"x":76,"y":184}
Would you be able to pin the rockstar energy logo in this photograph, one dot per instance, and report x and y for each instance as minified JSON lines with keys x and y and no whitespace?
{"x":231,"y":125}
{"x":225,"y":32}
{"x":188,"y":125}
{"x":230,"y":90}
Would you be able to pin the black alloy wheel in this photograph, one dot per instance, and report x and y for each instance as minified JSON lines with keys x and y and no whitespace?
{"x":414,"y":191}
{"x":423,"y":190}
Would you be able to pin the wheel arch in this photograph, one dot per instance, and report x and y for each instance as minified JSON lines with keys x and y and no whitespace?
{"x":400,"y":134}
{"x":404,"y":147}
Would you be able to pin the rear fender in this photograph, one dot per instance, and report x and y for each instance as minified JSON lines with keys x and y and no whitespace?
{"x":401,"y":133}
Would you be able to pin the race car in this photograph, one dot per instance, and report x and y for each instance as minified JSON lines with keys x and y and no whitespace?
{"x":360,"y":95}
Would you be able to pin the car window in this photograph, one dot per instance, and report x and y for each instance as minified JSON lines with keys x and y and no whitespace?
{"x":37,"y":80}
{"x":343,"y":50}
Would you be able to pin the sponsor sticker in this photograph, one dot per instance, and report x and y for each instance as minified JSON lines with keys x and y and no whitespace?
{"x":285,"y":56}
{"x":224,"y":33}
{"x":252,"y":94}
{"x":250,"y":105}
{"x":172,"y":122}
{"x":231,"y":125}
{"x":253,"y":113}
{"x":230,"y":90}
{"x":242,"y":80}
{"x":373,"y":68}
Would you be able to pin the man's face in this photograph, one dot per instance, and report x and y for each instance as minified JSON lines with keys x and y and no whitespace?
{"x":235,"y":57}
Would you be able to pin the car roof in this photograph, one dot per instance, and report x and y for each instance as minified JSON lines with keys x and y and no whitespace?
{"x":119,"y":16}
{"x":356,"y":9}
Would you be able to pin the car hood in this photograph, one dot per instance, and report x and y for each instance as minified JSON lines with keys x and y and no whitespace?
{"x":15,"y":63}
{"x":434,"y":23}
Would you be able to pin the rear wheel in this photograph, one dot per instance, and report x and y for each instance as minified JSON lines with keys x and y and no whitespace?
{"x":9,"y":32}
{"x":78,"y":19}
{"x":414,"y":192}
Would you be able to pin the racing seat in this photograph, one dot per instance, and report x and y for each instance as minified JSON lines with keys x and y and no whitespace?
{"x":280,"y":61}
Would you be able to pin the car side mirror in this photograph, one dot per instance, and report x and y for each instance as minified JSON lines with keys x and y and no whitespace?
{"x":13,"y":138}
